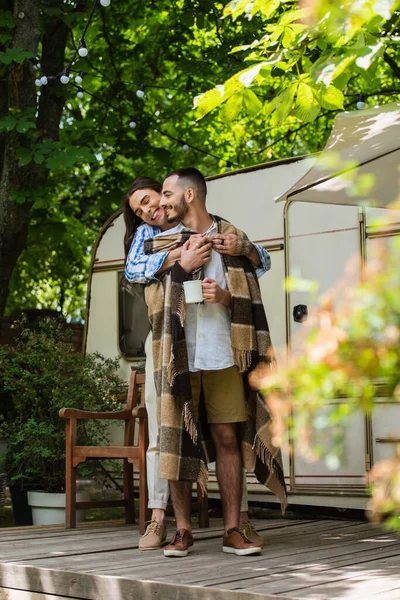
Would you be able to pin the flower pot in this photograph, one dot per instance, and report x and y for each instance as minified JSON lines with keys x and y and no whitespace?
{"x":49,"y":508}
{"x":21,"y":510}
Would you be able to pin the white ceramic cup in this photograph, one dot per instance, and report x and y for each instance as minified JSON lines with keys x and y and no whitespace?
{"x":193,"y":292}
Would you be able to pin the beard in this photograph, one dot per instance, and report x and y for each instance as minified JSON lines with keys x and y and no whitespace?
{"x":180,"y":211}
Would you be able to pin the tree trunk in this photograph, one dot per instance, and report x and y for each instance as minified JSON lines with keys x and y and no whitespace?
{"x":19,"y":91}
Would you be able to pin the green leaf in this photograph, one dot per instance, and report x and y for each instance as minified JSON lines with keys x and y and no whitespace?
{"x":17,"y":55}
{"x":331,"y":98}
{"x":235,"y":8}
{"x":284,"y":106}
{"x":24,"y":125}
{"x":251,"y":102}
{"x":232,"y":107}
{"x":6,"y":19}
{"x":38,"y":158}
{"x":208,"y":101}
{"x":293,"y":15}
{"x":307,"y":107}
{"x":288,"y":37}
{"x":24,"y":156}
{"x":369,"y":55}
{"x":247,"y":76}
{"x":8,"y":123}
{"x":266,"y":7}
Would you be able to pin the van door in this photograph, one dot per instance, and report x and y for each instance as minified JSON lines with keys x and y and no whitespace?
{"x":323,"y":247}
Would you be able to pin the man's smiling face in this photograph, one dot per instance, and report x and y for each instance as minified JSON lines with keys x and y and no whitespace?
{"x":173,"y":199}
{"x":146,"y":205}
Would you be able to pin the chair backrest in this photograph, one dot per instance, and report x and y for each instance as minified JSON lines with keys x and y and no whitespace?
{"x":136,"y":379}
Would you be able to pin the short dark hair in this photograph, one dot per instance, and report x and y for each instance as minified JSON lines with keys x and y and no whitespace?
{"x":190,"y":177}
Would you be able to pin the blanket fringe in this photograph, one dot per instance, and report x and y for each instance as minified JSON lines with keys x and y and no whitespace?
{"x":242,"y":359}
{"x":171,"y":370}
{"x":263,"y":453}
{"x":181,"y":310}
{"x":202,"y":478}
{"x":190,"y":425}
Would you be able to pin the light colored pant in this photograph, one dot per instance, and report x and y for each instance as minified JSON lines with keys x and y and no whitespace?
{"x":158,"y":489}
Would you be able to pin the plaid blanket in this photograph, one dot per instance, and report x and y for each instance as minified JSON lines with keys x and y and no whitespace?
{"x":186,"y":445}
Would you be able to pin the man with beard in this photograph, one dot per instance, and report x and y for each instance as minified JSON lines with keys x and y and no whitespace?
{"x":200,"y":355}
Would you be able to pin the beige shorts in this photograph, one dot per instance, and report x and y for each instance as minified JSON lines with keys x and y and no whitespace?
{"x":223,"y":395}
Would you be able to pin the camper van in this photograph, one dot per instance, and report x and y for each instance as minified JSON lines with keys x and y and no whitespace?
{"x":310,"y":216}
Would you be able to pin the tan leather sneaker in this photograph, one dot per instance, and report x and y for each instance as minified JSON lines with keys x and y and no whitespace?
{"x":154,"y":536}
{"x":248,"y":529}
{"x":181,"y":544}
{"x":235,"y":542}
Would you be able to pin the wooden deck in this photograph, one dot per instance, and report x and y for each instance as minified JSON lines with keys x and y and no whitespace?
{"x":317,"y":560}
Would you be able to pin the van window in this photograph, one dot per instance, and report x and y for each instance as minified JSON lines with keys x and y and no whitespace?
{"x":133,"y":322}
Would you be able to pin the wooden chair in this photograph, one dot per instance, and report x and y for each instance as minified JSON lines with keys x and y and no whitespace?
{"x":130,"y":453}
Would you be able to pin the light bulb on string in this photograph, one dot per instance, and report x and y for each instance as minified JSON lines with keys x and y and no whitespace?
{"x":79,"y":78}
{"x":43,"y":80}
{"x":64,"y":76}
{"x":185,"y":147}
{"x":80,"y":93}
{"x":157,"y":113}
{"x":105,"y":2}
{"x":132,"y":123}
{"x":82,"y":50}
{"x":38,"y":82}
{"x":361,"y":102}
{"x":140,"y":92}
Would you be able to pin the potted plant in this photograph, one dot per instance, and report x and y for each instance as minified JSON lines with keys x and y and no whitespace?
{"x":39,"y":375}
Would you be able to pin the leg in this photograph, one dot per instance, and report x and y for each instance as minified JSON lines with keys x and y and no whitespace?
{"x":246,"y":526}
{"x":181,"y":494}
{"x":229,"y":471}
{"x":158,"y":489}
{"x":182,"y":542}
{"x":244,"y":503}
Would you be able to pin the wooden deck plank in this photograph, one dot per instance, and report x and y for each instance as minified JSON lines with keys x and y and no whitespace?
{"x":259,"y":575}
{"x":117,"y":551}
{"x":97,"y":587}
{"x":310,"y":583}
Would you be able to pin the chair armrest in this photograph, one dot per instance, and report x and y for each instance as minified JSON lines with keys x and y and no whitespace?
{"x":74,"y":413}
{"x":139,"y":412}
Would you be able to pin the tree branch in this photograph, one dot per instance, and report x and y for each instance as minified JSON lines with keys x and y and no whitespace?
{"x":392,"y":64}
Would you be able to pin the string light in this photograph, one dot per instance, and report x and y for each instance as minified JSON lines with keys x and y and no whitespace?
{"x":185,"y":147}
{"x":132,"y":124}
{"x":80,"y":93}
{"x":82,"y":50}
{"x":140,"y":91}
{"x":105,"y":2}
{"x":361,"y":102}
{"x":79,"y":78}
{"x":38,"y":83}
{"x":64,"y":76}
{"x":43,"y":80}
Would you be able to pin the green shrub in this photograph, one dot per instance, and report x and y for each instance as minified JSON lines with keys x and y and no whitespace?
{"x":38,"y":376}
